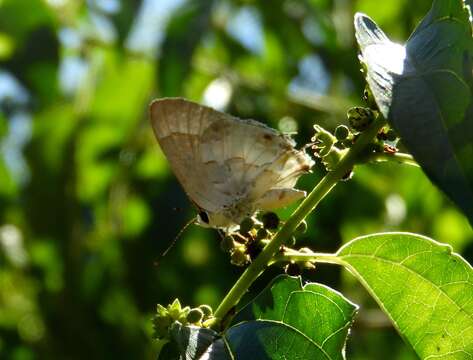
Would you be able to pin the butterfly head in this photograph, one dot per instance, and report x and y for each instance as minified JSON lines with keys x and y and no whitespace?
{"x":203,"y":218}
{"x":216,"y":220}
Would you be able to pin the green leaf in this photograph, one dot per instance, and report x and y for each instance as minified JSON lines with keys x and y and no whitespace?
{"x":266,"y":339}
{"x":425,"y":90}
{"x":426,"y":290}
{"x":287,"y":320}
{"x":271,"y":302}
{"x":192,"y":342}
{"x":311,"y":320}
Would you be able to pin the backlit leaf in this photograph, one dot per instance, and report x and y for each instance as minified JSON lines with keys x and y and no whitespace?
{"x":425,"y":90}
{"x":426,"y":290}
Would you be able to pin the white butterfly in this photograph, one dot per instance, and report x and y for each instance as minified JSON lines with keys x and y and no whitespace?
{"x":229,"y":167}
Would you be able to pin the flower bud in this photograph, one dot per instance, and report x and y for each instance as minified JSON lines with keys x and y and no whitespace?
{"x":360,"y":118}
{"x":246,"y":225}
{"x":270,"y":220}
{"x":175,"y":309}
{"x":239,"y":257}
{"x":166,"y":316}
{"x":262,"y":234}
{"x":341,"y":132}
{"x":195,"y":316}
{"x":207,"y":310}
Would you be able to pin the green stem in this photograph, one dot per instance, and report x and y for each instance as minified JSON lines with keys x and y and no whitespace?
{"x":312,"y":257}
{"x":396,"y":157}
{"x":344,"y":166}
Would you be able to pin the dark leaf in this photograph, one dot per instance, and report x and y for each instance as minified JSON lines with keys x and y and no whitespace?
{"x":425,"y":89}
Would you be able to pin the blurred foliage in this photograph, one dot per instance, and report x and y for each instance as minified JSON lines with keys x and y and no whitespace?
{"x":87,"y":201}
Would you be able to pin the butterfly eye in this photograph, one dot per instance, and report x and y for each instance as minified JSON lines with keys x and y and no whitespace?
{"x":204,"y":217}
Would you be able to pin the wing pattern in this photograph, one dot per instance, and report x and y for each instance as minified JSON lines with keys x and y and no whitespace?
{"x":223,"y":162}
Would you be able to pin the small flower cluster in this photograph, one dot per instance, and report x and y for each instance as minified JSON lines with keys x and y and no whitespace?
{"x":295,"y":268}
{"x":327,"y":147}
{"x":201,"y":316}
{"x":253,"y":234}
{"x":330,"y":148}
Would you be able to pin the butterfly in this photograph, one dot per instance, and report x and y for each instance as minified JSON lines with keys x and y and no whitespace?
{"x":230,"y":168}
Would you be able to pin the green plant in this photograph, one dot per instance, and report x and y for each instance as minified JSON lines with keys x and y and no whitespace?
{"x":424,"y":92}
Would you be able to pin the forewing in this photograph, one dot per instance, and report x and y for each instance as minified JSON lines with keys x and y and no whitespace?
{"x":178,"y":125}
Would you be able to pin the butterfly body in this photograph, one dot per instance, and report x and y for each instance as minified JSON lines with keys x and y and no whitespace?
{"x":229,"y":167}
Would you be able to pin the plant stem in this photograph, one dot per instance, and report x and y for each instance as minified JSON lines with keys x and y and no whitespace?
{"x":402,"y":158}
{"x":312,"y":257}
{"x":344,"y":166}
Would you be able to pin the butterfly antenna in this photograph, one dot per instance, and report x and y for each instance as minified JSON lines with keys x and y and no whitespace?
{"x":190,"y":222}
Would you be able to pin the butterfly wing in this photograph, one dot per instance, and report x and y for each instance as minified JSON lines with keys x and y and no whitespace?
{"x":221,"y":160}
{"x":178,"y":126}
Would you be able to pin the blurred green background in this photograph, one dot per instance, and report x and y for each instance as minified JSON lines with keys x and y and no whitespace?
{"x":87,"y":201}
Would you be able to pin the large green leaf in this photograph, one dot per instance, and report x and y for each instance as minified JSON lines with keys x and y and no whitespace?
{"x":426,"y":290}
{"x":310,"y":321}
{"x":425,"y":90}
{"x":286,"y":321}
